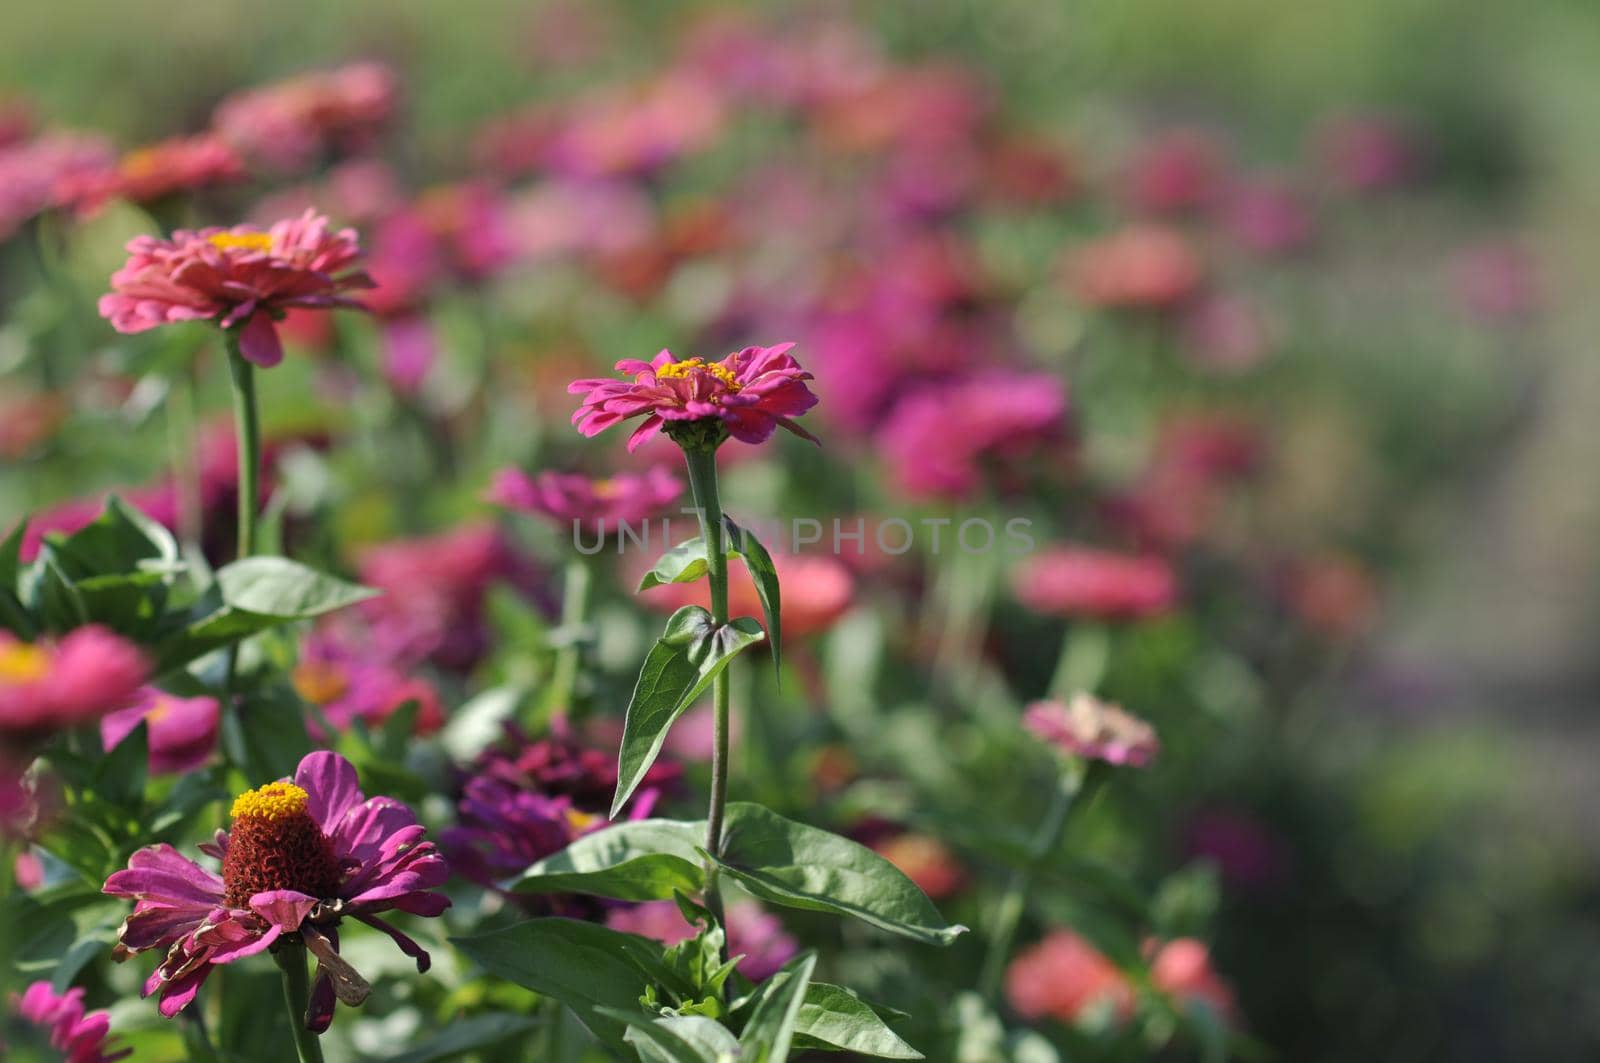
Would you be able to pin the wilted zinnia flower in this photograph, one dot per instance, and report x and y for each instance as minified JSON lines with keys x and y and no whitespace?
{"x":242,"y":278}
{"x":1085,"y":582}
{"x":182,"y":731}
{"x":572,"y":499}
{"x":48,"y":686}
{"x":80,"y":1035}
{"x":747,"y":394}
{"x":301,"y":856}
{"x":1089,"y":727}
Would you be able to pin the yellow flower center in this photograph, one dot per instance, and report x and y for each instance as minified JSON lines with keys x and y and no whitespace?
{"x":142,"y":163}
{"x":274,"y":801}
{"x":605,"y":488}
{"x":580,"y":821}
{"x":674,"y":370}
{"x":319,"y":683}
{"x":241,"y":241}
{"x":22,"y":663}
{"x":159,"y":711}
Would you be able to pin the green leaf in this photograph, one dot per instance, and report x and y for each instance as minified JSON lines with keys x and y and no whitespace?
{"x":117,"y":542}
{"x":770,"y":1031}
{"x":684,"y":563}
{"x":678,"y":669}
{"x":834,"y":1018}
{"x":677,"y":1038}
{"x":798,"y":866}
{"x":645,"y":860}
{"x":120,"y":776}
{"x":759,"y":564}
{"x":11,"y":556}
{"x":464,"y":1035}
{"x":285,"y":590}
{"x":588,"y":967}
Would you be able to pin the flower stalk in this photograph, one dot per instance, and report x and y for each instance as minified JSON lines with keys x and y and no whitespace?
{"x":702,"y":463}
{"x":247,"y":425}
{"x":296,"y":999}
{"x":577,"y":581}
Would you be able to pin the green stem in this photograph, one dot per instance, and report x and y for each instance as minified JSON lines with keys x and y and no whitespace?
{"x":296,"y":996}
{"x":1008,"y":913}
{"x":1085,"y":652}
{"x":247,"y":425}
{"x":182,"y":439}
{"x":574,"y":613}
{"x":702,"y":464}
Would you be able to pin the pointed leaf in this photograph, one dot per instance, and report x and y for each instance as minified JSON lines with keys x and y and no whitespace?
{"x":832,"y":1017}
{"x":684,"y":563}
{"x":648,"y":859}
{"x":678,"y":669}
{"x":285,"y":590}
{"x":799,"y":866}
{"x":770,"y":1031}
{"x":677,"y":1038}
{"x":765,"y":577}
{"x":588,"y":967}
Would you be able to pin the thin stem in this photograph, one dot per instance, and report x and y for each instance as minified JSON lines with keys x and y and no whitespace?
{"x":574,"y":614}
{"x":1085,"y":652}
{"x":296,"y":997}
{"x":247,"y":425}
{"x":702,"y":464}
{"x":1008,"y":913}
{"x":182,"y":440}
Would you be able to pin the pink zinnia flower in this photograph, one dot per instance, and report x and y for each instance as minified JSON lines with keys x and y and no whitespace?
{"x":1179,"y":171}
{"x":80,"y":1035}
{"x":1142,"y":267}
{"x":1085,"y":582}
{"x":350,"y":675}
{"x":47,"y":686}
{"x":817,"y":589}
{"x":942,"y":441}
{"x":240,"y":278}
{"x":181,"y":164}
{"x":752,"y":931}
{"x":1182,"y":969}
{"x":183,"y":731}
{"x":37,"y":175}
{"x":1089,"y":727}
{"x":1368,"y":153}
{"x":301,"y":856}
{"x":1268,"y":216}
{"x":1497,"y":281}
{"x":572,"y":499}
{"x":288,"y":123}
{"x":1065,"y":978}
{"x":750,"y":392}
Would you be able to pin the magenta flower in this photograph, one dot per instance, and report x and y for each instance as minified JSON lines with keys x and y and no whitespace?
{"x":941,"y":441}
{"x":301,"y":856}
{"x":1084,"y":582}
{"x":181,"y":164}
{"x":79,"y":1035}
{"x":570,"y":499}
{"x":49,"y":686}
{"x":183,"y":731}
{"x":1089,"y":727}
{"x":37,"y":175}
{"x":526,"y":800}
{"x":352,"y":672}
{"x":754,"y":934}
{"x":750,"y":392}
{"x":240,"y":278}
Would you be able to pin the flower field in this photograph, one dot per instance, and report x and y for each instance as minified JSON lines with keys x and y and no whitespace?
{"x":1010,"y":533}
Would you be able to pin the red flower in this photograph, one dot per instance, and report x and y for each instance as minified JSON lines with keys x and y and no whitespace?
{"x":750,"y":392}
{"x":240,"y":277}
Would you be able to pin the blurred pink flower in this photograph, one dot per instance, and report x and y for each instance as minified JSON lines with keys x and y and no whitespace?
{"x":1225,"y":334}
{"x":1497,"y":281}
{"x":751,"y":931}
{"x":569,"y":499}
{"x":301,"y":856}
{"x":182,"y":164}
{"x":39,"y":174}
{"x":81,"y":1036}
{"x":1081,"y":581}
{"x":751,"y":392}
{"x":352,"y":675}
{"x":240,"y":278}
{"x":926,"y":861}
{"x":1142,"y":267}
{"x":288,"y":124}
{"x":1268,"y":216}
{"x":1091,"y":728}
{"x":1182,"y":969}
{"x":182,"y":731}
{"x":944,"y":441}
{"x":1064,"y":977}
{"x":46,"y":686}
{"x":1179,"y":171}
{"x":817,"y":589}
{"x":1368,"y":153}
